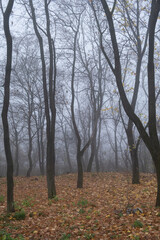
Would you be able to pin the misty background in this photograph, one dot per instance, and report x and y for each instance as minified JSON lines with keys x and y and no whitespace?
{"x":76,"y":29}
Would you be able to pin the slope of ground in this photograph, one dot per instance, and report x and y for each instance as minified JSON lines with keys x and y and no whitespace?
{"x":108,"y":207}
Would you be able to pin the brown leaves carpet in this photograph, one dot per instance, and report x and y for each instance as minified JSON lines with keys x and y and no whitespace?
{"x":103,"y":209}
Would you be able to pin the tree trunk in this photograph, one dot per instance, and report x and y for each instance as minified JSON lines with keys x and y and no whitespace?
{"x":134,"y":156}
{"x":30,"y":148}
{"x":50,"y":167}
{"x":116,"y":147}
{"x":97,"y":161}
{"x":156,"y":159}
{"x":67,"y":151}
{"x":10,"y":183}
{"x":42,"y":169}
{"x":17,"y":156}
{"x":98,"y":144}
{"x":135,"y":167}
{"x":158,"y":186}
{"x":30,"y":165}
{"x":80,"y":170}
{"x":52,"y":107}
{"x":40,"y":150}
{"x":93,"y":149}
{"x":49,"y":98}
{"x":94,"y":139}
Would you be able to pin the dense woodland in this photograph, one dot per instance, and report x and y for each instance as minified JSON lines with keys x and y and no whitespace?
{"x":79,"y":89}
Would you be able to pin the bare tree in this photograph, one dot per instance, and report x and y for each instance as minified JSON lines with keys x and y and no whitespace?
{"x":94,"y":72}
{"x":10,"y":184}
{"x":151,"y":139}
{"x":80,"y":148}
{"x":25,"y":77}
{"x":49,"y":95}
{"x":131,"y":22}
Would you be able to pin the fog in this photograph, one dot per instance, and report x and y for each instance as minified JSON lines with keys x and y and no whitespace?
{"x":88,"y":108}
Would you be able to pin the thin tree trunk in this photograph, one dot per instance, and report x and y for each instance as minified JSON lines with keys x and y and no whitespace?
{"x":39,"y":150}
{"x":67,"y":150}
{"x":17,"y":155}
{"x":135,"y":167}
{"x":10,"y":183}
{"x":29,"y":150}
{"x":134,"y":156}
{"x":93,"y":149}
{"x":42,"y":156}
{"x":52,"y":92}
{"x":49,"y":99}
{"x":116,"y":147}
{"x":98,"y":145}
{"x":50,"y":168}
{"x":80,"y":170}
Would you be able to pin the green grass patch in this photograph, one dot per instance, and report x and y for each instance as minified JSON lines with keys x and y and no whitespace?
{"x":27,"y":202}
{"x":88,"y":235}
{"x":7,"y":236}
{"x":82,"y":203}
{"x":20,"y":215}
{"x":81,"y":210}
{"x":137,"y":224}
{"x":65,"y":236}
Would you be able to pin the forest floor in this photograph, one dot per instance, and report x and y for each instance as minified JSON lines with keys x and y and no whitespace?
{"x":108,"y":207}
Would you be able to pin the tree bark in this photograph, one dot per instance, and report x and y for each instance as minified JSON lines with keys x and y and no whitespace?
{"x":116,"y":147}
{"x":10,"y":183}
{"x":80,"y":170}
{"x":93,"y":149}
{"x":134,"y":156}
{"x":30,"y":148}
{"x":157,"y":167}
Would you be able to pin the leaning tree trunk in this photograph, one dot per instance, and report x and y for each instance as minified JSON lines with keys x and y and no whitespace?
{"x":10,"y":183}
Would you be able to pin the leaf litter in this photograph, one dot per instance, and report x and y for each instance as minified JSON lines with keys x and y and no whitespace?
{"x":108,"y":207}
